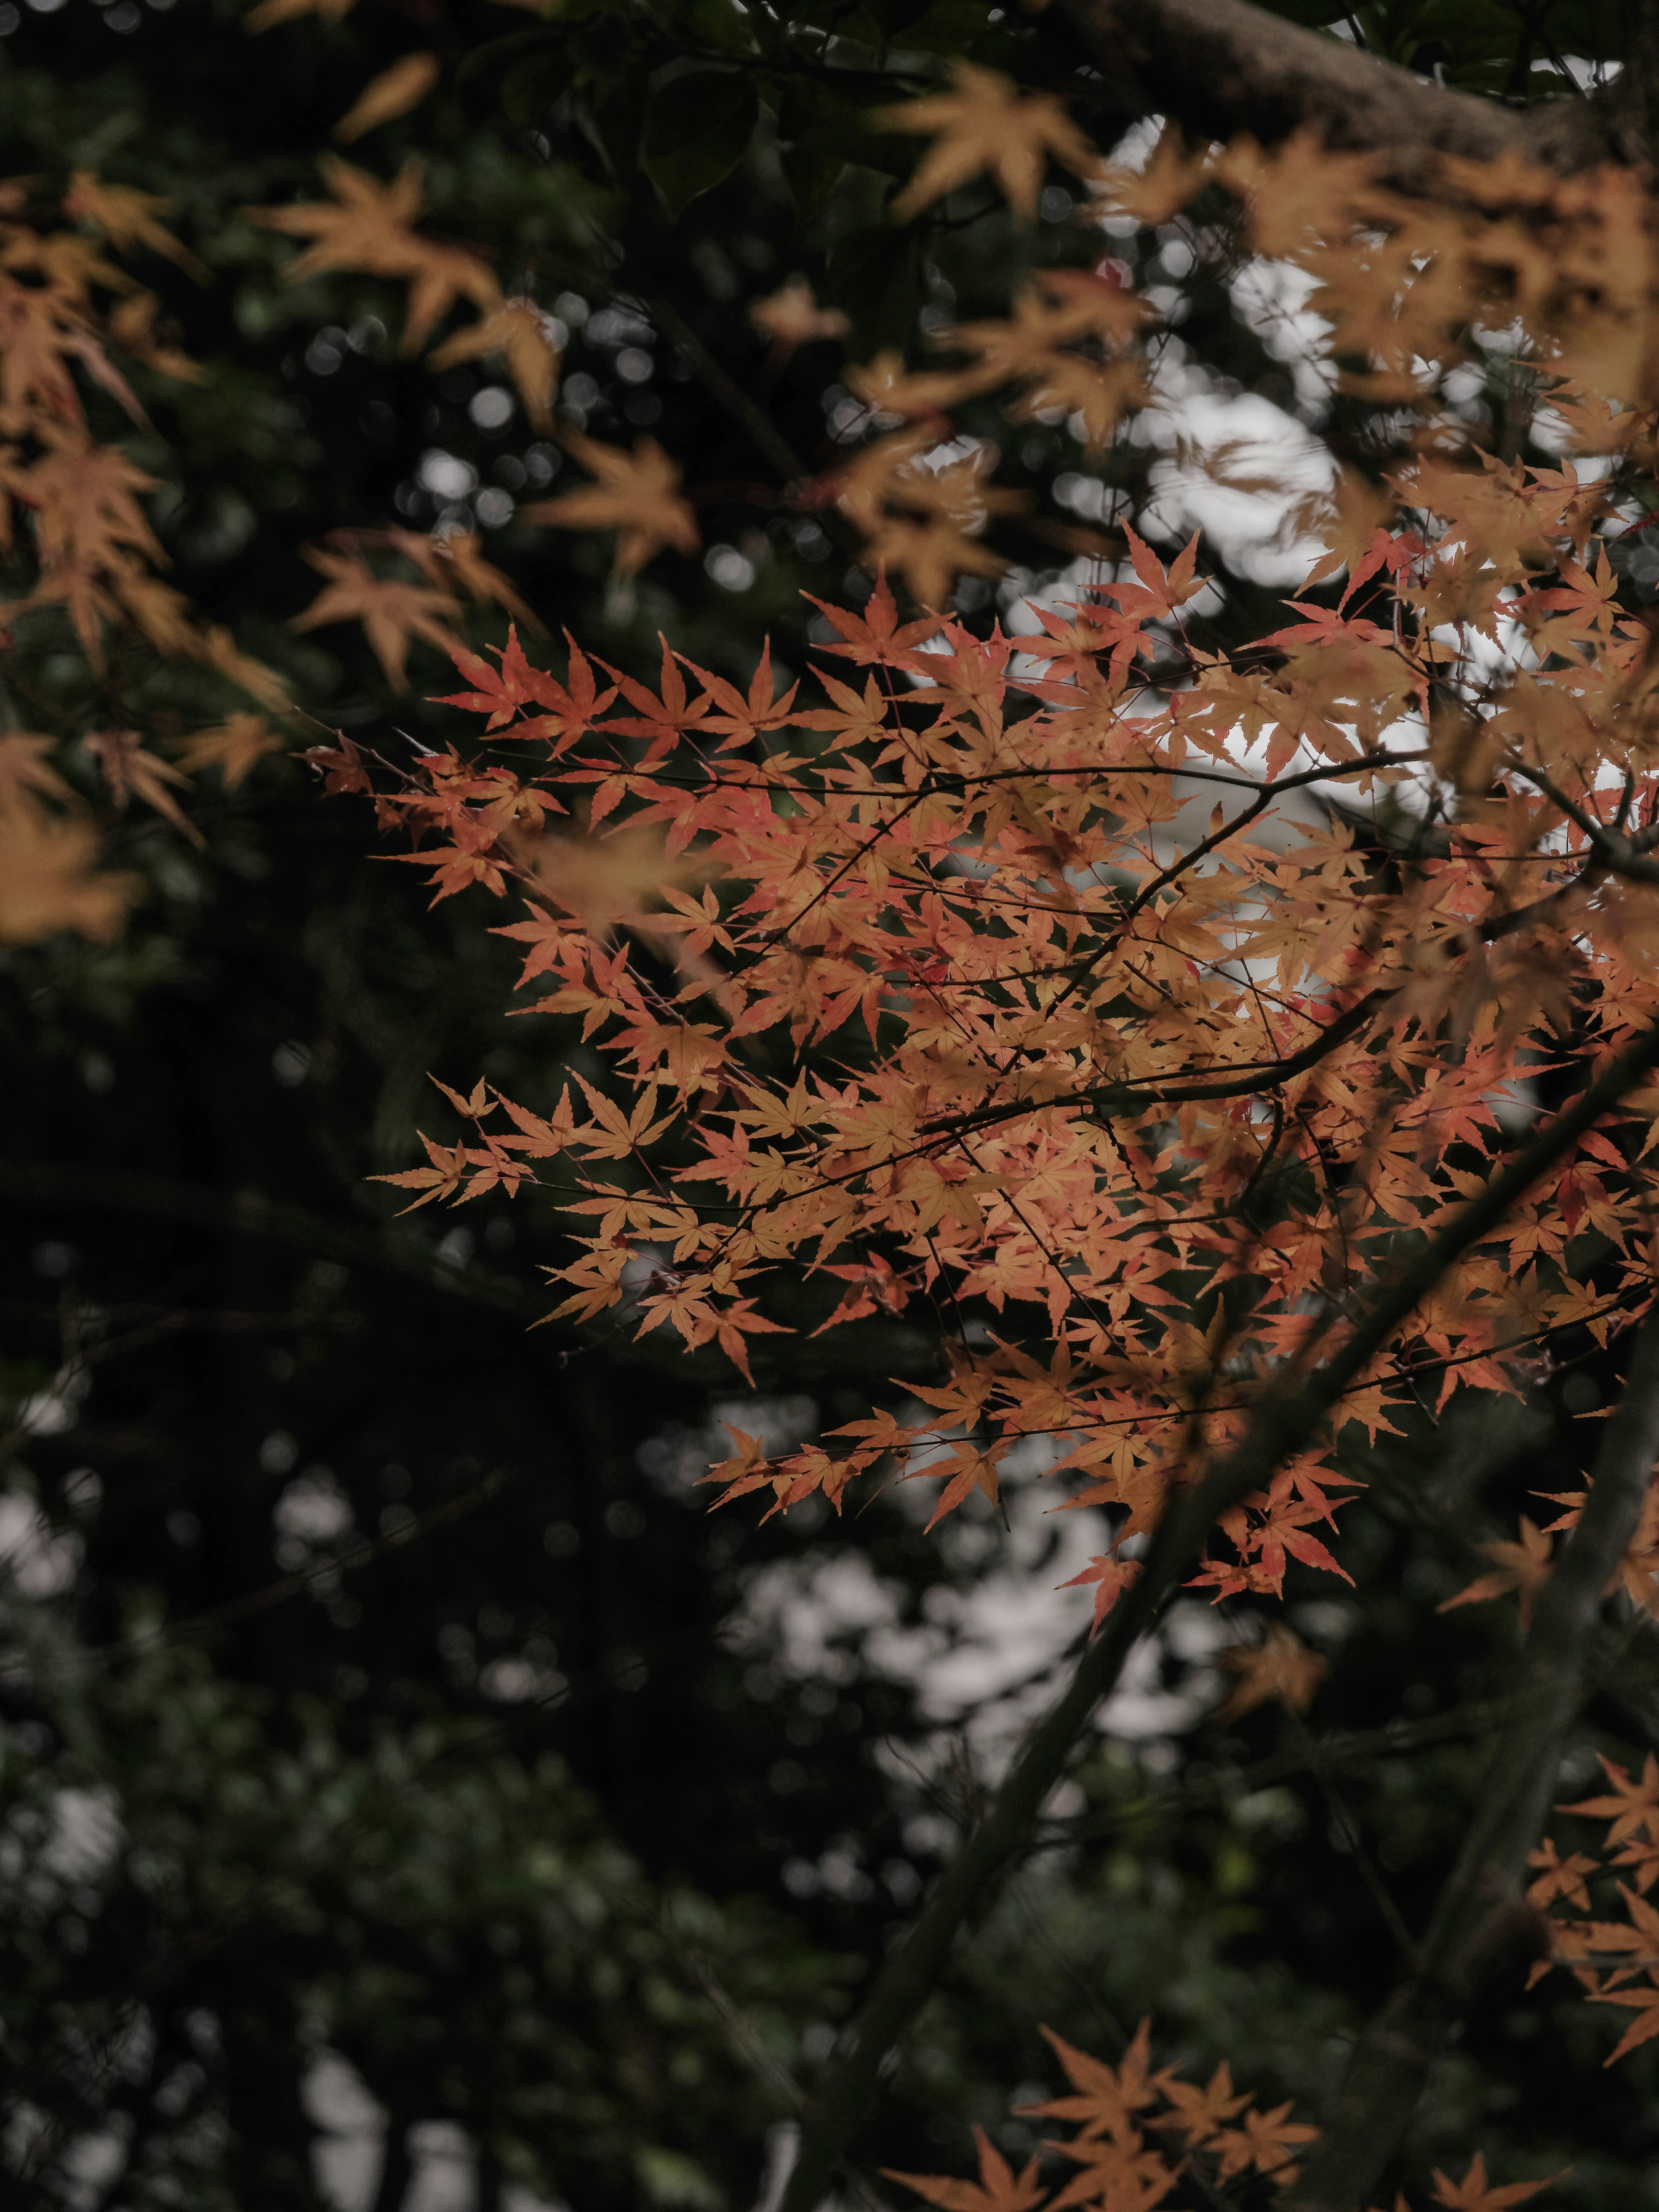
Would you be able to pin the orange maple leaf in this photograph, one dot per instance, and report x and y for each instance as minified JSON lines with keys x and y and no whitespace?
{"x":984,"y":122}
{"x":1474,"y":2193}
{"x":50,"y":879}
{"x":1523,"y":1567}
{"x":369,"y":227}
{"x":235,"y":747}
{"x":997,"y":2189}
{"x":1279,"y":1667}
{"x":637,"y":494}
{"x":391,"y":94}
{"x":131,"y":771}
{"x":791,"y":318}
{"x":392,"y":614}
{"x":128,"y":217}
{"x":519,"y":333}
{"x":1111,"y":1576}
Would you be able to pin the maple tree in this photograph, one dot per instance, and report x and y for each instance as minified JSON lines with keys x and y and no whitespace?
{"x":1217,"y":1040}
{"x":983,"y":1001}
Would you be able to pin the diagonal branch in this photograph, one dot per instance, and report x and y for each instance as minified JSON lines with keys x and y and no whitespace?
{"x":1283,"y":1423}
{"x":1479,"y":1911}
{"x":1223,"y":66}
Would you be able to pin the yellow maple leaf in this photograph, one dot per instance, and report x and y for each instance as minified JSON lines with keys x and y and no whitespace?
{"x":393,"y":613}
{"x":132,"y":331}
{"x":888,"y":387}
{"x":369,"y":227}
{"x":132,"y":771}
{"x":127,"y":217}
{"x":1164,"y":186}
{"x":24,"y":770}
{"x":637,"y":494}
{"x":220,"y":651}
{"x":447,"y":558}
{"x":521,"y":334}
{"x":391,"y":94}
{"x":235,"y":747}
{"x":50,"y":879}
{"x":791,"y":317}
{"x":985,"y":123}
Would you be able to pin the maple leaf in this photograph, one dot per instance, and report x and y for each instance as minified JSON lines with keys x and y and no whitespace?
{"x":132,"y":331}
{"x":1523,"y":1567}
{"x":391,"y":94}
{"x":128,"y":217}
{"x":607,"y":882}
{"x":369,"y":227}
{"x":503,"y":694}
{"x":521,"y":334}
{"x":85,"y":513}
{"x":1558,"y":1877}
{"x":985,"y":123}
{"x":636,"y":494}
{"x":791,"y":318}
{"x":1154,"y":592}
{"x":447,"y":558}
{"x":1631,"y":1807}
{"x":997,"y":2189}
{"x":39,"y":333}
{"x":887,"y":387}
{"x":1645,"y":2005}
{"x":1108,"y":2097}
{"x":442,"y":1178}
{"x":1199,"y":2114}
{"x":24,"y":770}
{"x":392,"y":614}
{"x":131,"y":771}
{"x":877,"y":1287}
{"x":1111,"y":1576}
{"x":875,"y":637}
{"x":220,"y":650}
{"x":1279,"y":1667}
{"x":1172,"y":174}
{"x":235,"y":747}
{"x":1474,"y":2193}
{"x":50,"y":879}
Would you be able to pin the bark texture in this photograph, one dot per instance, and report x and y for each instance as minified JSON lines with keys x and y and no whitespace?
{"x":1219,"y":67}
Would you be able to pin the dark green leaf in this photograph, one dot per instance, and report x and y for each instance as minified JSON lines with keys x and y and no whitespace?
{"x":697,"y":129}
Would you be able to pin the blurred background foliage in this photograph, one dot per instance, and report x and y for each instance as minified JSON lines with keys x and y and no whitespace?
{"x":380,"y":1704}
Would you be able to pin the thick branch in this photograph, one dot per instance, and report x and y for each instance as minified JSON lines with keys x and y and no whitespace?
{"x":1480,"y":1912}
{"x":1283,"y":1423}
{"x":1222,"y":66}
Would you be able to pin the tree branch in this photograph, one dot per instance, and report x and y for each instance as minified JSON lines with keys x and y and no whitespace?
{"x":1223,"y":66}
{"x":1283,"y":1422}
{"x":1480,"y":1911}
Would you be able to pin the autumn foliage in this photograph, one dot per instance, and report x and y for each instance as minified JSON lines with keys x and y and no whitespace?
{"x":1132,"y":1010}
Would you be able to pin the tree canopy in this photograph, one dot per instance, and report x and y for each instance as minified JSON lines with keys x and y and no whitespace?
{"x":1043,"y":620}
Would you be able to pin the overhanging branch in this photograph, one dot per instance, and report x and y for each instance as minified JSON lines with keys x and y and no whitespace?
{"x":1223,"y":66}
